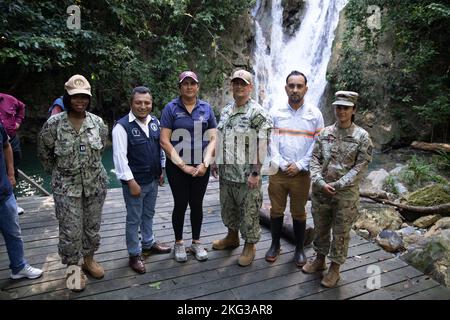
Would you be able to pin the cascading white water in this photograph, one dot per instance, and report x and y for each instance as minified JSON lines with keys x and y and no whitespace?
{"x":308,"y":51}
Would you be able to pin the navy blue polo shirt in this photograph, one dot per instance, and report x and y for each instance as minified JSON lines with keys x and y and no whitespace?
{"x":5,"y":185}
{"x":188,"y":129}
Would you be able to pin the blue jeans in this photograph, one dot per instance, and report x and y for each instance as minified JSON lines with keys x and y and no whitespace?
{"x":140,"y":212}
{"x":9,"y":226}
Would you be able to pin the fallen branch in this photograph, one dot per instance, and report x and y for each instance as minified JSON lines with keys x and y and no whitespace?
{"x":435,"y":147}
{"x":442,"y":208}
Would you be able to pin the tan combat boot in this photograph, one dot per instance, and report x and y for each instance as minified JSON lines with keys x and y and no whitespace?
{"x":230,"y":241}
{"x":314,"y":266}
{"x":92,"y":267}
{"x":75,"y":278}
{"x":332,"y":277}
{"x":247,"y":255}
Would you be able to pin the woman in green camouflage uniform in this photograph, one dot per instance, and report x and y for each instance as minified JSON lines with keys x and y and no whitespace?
{"x":340,"y":158}
{"x":71,"y":144}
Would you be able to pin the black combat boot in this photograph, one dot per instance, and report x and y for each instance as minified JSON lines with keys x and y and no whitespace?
{"x":299,"y":231}
{"x":276,"y":224}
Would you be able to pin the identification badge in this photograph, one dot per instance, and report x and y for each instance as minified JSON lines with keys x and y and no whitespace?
{"x":82,"y":148}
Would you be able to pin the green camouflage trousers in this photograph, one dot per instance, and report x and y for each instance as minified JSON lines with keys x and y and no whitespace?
{"x":240,"y":208}
{"x":79,"y":223}
{"x":334,"y":214}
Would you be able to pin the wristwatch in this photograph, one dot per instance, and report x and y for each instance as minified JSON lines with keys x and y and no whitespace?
{"x":255,"y":174}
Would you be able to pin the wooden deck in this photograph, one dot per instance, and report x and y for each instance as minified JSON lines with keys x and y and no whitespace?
{"x":218,"y":278}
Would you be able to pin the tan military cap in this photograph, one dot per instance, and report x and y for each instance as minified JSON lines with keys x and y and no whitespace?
{"x":242,"y":74}
{"x":78,"y":84}
{"x":346,"y":98}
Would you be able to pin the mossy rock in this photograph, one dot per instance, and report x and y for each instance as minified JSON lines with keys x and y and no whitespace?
{"x":431,"y":195}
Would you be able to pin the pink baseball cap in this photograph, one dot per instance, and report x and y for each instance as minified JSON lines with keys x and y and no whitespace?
{"x":187,"y":74}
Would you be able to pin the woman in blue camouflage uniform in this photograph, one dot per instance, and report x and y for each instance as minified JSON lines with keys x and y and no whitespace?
{"x":71,"y":144}
{"x":340,"y":158}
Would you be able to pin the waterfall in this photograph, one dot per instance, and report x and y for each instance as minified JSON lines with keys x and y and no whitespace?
{"x":308,"y":51}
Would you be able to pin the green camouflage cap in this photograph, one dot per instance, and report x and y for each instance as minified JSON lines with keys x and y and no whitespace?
{"x":345,"y":98}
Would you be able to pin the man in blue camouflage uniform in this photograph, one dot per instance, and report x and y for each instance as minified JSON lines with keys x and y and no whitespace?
{"x":240,"y":166}
{"x":340,"y":159}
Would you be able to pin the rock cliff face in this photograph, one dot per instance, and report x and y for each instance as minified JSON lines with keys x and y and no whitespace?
{"x":292,"y":15}
{"x":238,"y":44}
{"x":374,"y":66}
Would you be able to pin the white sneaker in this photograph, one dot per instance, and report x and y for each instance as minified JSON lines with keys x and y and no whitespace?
{"x":20,"y":210}
{"x":199,"y":251}
{"x":27,"y":272}
{"x":180,"y":252}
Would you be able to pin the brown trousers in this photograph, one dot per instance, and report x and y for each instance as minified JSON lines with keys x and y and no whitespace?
{"x":297,"y":188}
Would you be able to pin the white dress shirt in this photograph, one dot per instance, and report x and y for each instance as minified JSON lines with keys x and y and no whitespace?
{"x":120,"y":147}
{"x":294,"y":134}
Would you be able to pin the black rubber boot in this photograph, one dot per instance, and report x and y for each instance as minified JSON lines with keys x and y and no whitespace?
{"x":276,"y":225}
{"x":299,"y":231}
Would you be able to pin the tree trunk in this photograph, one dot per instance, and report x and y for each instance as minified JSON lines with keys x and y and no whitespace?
{"x":435,"y":147}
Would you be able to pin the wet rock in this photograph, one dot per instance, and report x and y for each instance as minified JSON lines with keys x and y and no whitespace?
{"x":374,"y":220}
{"x":440,"y":225}
{"x":441,"y":271}
{"x":409,"y":230}
{"x":390,"y":241}
{"x":432,"y":256}
{"x":400,"y":188}
{"x":405,"y":225}
{"x":396,"y":171}
{"x":292,"y":15}
{"x":426,"y":221}
{"x":375,"y":180}
{"x":411,"y":241}
{"x":363,"y":233}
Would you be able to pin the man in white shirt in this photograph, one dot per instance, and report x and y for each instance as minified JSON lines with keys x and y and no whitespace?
{"x":139,"y":162}
{"x":296,"y":126}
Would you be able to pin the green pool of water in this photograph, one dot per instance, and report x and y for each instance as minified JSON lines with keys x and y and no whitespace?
{"x":32,"y":167}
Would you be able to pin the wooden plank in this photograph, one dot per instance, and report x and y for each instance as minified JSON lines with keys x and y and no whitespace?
{"x":355,"y":275}
{"x":268,"y":289}
{"x":40,"y":246}
{"x":182,"y":287}
{"x":296,"y":288}
{"x":36,"y":242}
{"x":125,"y":278}
{"x":218,"y":278}
{"x":117,"y":242}
{"x":187,"y":285}
{"x":356,"y":288}
{"x":436,"y":293}
{"x":400,"y":290}
{"x":222,"y":295}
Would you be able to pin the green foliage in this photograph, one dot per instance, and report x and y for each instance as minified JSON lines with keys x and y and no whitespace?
{"x":121,"y":44}
{"x":419,"y":173}
{"x":442,"y":160}
{"x":417,"y":80}
{"x":390,"y":186}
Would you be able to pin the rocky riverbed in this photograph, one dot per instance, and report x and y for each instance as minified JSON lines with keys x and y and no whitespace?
{"x":422,"y":240}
